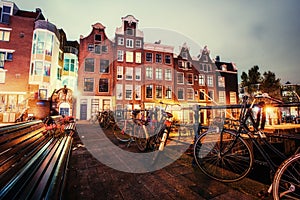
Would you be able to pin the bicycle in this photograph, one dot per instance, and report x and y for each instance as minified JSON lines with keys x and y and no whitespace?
{"x":226,"y":154}
{"x":286,"y":183}
{"x":130,"y":130}
{"x":106,"y":119}
{"x":94,"y":118}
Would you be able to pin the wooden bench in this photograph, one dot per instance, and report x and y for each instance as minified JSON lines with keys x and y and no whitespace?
{"x":33,"y":164}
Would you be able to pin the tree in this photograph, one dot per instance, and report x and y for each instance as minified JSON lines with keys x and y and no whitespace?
{"x":253,"y":82}
{"x":271,"y":85}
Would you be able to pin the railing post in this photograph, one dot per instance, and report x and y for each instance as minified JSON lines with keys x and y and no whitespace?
{"x":196,"y":109}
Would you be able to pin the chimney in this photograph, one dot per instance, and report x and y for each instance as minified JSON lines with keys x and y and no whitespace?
{"x":218,"y":58}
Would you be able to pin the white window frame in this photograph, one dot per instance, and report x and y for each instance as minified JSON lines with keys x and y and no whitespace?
{"x":182,"y":93}
{"x":129,"y":56}
{"x":138,"y":57}
{"x":129,"y":73}
{"x":121,"y":41}
{"x":138,"y":73}
{"x":210,"y":81}
{"x":138,"y":43}
{"x":130,"y":89}
{"x":158,"y":74}
{"x":149,"y":73}
{"x":129,"y":43}
{"x":119,"y":91}
{"x":120,"y":72}
{"x":138,"y":92}
{"x":182,"y":74}
{"x":120,"y":55}
{"x":190,"y":91}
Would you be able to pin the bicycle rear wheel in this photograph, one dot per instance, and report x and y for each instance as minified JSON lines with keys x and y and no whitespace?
{"x":122,"y":130}
{"x":223,"y":156}
{"x":286,"y":183}
{"x":141,"y":138}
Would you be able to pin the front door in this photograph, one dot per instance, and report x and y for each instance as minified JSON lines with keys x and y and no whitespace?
{"x":83,"y":111}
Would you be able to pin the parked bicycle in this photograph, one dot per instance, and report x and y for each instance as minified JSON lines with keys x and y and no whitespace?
{"x":226,"y":154}
{"x":106,"y":119}
{"x":94,"y":117}
{"x":130,"y":130}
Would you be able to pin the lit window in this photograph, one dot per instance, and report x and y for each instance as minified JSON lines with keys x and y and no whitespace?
{"x":149,"y":73}
{"x":129,"y":56}
{"x":138,"y":57}
{"x":221,"y":81}
{"x":158,"y":74}
{"x":232,"y":97}
{"x":168,"y":74}
{"x":201,"y":79}
{"x":222,"y":99}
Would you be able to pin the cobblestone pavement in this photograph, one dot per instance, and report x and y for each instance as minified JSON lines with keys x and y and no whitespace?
{"x":88,"y":178}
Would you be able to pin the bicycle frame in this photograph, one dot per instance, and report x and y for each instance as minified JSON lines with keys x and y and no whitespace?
{"x":255,"y":136}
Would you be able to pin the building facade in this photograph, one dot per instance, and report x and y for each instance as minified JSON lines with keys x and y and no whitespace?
{"x":95,"y":73}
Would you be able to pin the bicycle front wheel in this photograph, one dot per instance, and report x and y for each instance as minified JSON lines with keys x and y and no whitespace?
{"x":122,"y":130}
{"x":223,"y":156}
{"x":286,"y":183}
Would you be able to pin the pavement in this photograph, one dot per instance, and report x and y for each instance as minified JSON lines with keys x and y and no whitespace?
{"x":90,"y":177}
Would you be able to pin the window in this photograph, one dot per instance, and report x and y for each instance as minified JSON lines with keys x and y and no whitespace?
{"x":88,"y":84}
{"x":129,"y":73}
{"x":190,"y":94}
{"x":138,"y":92}
{"x":119,"y":91}
{"x":167,"y":59}
{"x":158,"y":74}
{"x":232,"y":97}
{"x":190,"y":79}
{"x":138,"y":43}
{"x":205,"y":58}
{"x":210,"y":95}
{"x":98,"y":49}
{"x":202,"y":95}
{"x":120,"y":72}
{"x":201,"y":67}
{"x":180,"y":93}
{"x":180,"y":64}
{"x":49,"y":44}
{"x":2,"y":75}
{"x":158,"y":58}
{"x":149,"y":91}
{"x":104,"y":49}
{"x":103,"y":85}
{"x":120,"y":41}
{"x":98,"y":38}
{"x":5,"y":14}
{"x":129,"y":43}
{"x":222,"y":99}
{"x":138,"y":57}
{"x":221,"y":81}
{"x":89,"y":65}
{"x":138,"y":74}
{"x":210,"y":81}
{"x":38,"y":68}
{"x":148,"y":57}
{"x":158,"y":91}
{"x":184,"y":55}
{"x":180,"y":78}
{"x":2,"y":59}
{"x":59,"y":73}
{"x":120,"y":55}
{"x":168,"y":92}
{"x":129,"y":31}
{"x":104,"y":66}
{"x":201,"y":79}
{"x":90,"y":47}
{"x":129,"y":56}
{"x":4,"y":35}
{"x":47,"y":68}
{"x":149,"y":73}
{"x":168,"y":74}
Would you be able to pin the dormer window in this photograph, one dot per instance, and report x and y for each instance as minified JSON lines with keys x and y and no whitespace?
{"x":129,"y":31}
{"x":97,"y":38}
{"x":5,"y":14}
{"x":184,"y":55}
